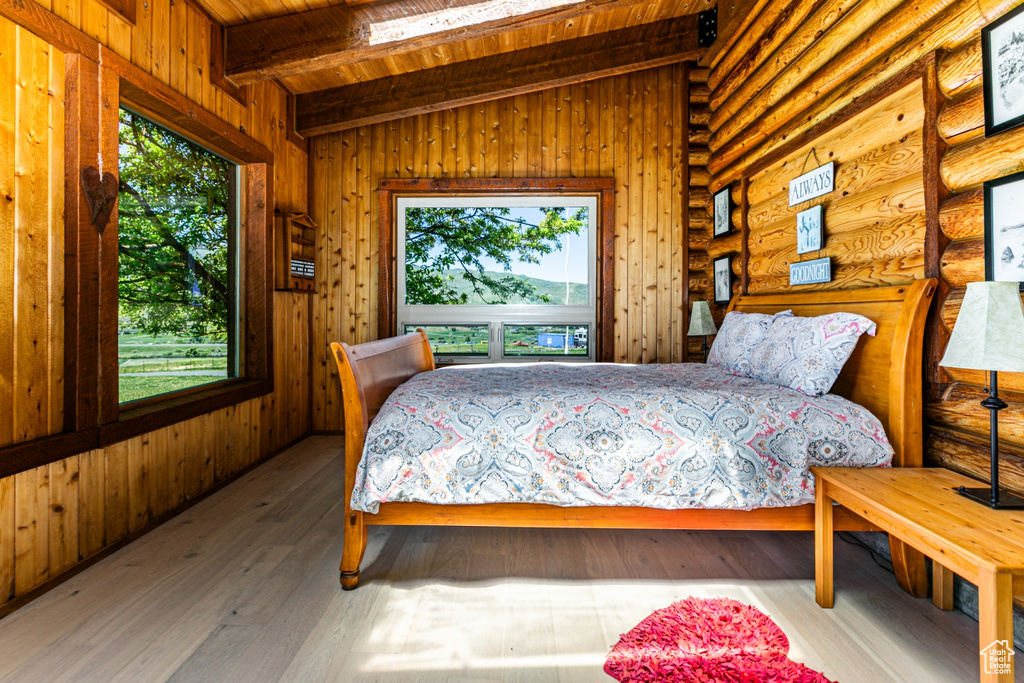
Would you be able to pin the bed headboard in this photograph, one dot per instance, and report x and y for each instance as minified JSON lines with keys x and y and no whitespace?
{"x":884,"y":374}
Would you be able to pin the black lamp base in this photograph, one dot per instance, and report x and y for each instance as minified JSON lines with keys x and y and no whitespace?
{"x":1007,"y":500}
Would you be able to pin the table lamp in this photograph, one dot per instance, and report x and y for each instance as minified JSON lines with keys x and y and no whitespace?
{"x":701,"y":325}
{"x":989,"y":335}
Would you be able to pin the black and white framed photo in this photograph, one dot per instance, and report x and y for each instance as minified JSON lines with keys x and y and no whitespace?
{"x":1004,"y":229}
{"x":723,"y":211}
{"x":1002,"y":47}
{"x":808,"y":229}
{"x":723,"y":279}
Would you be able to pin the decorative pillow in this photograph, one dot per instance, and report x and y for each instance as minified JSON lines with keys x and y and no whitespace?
{"x":807,"y":354}
{"x":739,"y":338}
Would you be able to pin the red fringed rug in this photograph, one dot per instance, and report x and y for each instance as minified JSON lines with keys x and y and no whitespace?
{"x":696,"y":640}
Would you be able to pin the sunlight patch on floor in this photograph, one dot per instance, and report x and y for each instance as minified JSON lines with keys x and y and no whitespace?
{"x":477,"y":626}
{"x":401,"y":662}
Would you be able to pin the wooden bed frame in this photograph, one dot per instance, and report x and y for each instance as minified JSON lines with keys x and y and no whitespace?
{"x":884,"y":375}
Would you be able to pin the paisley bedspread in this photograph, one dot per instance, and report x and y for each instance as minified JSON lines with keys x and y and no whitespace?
{"x":659,"y":436}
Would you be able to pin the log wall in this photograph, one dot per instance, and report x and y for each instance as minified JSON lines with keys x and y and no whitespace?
{"x":890,"y":91}
{"x":56,"y":516}
{"x":631,"y":127}
{"x":700,"y":224}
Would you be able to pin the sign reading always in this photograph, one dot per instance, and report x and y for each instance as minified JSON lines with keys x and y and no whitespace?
{"x":810,"y":272}
{"x":812,"y":184}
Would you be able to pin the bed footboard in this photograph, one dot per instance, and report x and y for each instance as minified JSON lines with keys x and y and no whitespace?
{"x":369,"y":373}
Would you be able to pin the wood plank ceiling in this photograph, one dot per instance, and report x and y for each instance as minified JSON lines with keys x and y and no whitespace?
{"x":319,"y":45}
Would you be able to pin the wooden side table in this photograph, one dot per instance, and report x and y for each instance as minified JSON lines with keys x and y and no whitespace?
{"x":920,"y":507}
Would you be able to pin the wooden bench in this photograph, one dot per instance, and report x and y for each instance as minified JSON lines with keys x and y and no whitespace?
{"x":920,"y":507}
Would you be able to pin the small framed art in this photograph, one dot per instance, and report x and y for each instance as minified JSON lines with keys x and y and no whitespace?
{"x":1004,"y":229}
{"x":723,"y":279}
{"x":808,"y":229}
{"x":1002,"y":48}
{"x":723,"y":211}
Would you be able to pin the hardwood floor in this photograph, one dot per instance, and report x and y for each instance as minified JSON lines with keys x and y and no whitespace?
{"x":244,"y":587}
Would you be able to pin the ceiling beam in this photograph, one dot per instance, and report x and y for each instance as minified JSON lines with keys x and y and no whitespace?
{"x":334,"y":36}
{"x":502,"y":75}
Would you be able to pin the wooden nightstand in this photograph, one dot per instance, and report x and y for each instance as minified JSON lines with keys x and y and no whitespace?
{"x":920,"y":507}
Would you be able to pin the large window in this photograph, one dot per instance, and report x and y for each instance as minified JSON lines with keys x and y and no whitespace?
{"x":177,"y":262}
{"x":494,"y":278}
{"x":168,"y":215}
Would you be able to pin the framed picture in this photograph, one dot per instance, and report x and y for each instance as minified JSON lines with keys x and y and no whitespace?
{"x":723,"y":279}
{"x":723,"y":211}
{"x":808,"y":229}
{"x":1002,"y":48}
{"x":1004,"y":229}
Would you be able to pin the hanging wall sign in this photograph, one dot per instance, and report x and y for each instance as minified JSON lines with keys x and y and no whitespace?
{"x":810,"y":272}
{"x":812,"y":184}
{"x":808,"y":229}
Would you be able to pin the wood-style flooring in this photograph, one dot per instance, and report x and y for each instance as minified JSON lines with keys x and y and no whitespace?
{"x":244,"y":587}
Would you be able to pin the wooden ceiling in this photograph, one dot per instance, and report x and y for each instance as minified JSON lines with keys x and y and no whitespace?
{"x":320,"y":45}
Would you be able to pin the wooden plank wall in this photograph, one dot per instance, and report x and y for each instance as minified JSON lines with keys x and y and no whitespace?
{"x":628,"y":127}
{"x":31,"y":237}
{"x":53,"y":517}
{"x":909,"y":170}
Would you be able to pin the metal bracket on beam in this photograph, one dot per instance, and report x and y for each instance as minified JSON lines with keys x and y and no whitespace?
{"x":707,"y":27}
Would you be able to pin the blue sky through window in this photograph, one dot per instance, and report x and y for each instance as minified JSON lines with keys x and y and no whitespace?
{"x":567,"y":263}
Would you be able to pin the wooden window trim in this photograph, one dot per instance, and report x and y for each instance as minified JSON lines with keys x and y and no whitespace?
{"x":119,"y":422}
{"x":604,"y":188}
{"x":93,"y":417}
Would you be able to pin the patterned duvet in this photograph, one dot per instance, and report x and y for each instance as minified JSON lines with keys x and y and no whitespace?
{"x":659,"y":436}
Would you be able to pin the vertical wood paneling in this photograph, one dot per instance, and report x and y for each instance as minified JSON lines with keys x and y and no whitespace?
{"x":7,"y":526}
{"x":8,"y":127}
{"x":139,"y":481}
{"x":31,"y":528}
{"x":63,"y":526}
{"x":116,"y":469}
{"x":31,"y":238}
{"x":55,"y":516}
{"x":91,"y":503}
{"x":627,"y":127}
{"x":55,"y":259}
{"x":636,"y":225}
{"x":619,"y":137}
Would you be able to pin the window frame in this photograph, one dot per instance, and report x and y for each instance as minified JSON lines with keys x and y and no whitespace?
{"x":497,"y":316}
{"x":603,"y":189}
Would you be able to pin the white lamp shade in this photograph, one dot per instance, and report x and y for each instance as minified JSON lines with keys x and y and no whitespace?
{"x":701,"y":323}
{"x":989,"y":330}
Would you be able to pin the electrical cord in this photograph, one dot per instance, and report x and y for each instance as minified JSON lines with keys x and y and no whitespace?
{"x":879,"y":559}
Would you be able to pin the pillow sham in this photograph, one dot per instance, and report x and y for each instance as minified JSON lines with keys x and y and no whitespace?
{"x":739,"y":339}
{"x":807,"y":354}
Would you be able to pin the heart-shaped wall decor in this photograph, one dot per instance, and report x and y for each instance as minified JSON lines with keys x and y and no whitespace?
{"x":100,"y":195}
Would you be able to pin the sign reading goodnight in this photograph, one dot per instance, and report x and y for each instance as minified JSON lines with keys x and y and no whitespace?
{"x":812,"y":184}
{"x":810,"y":272}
